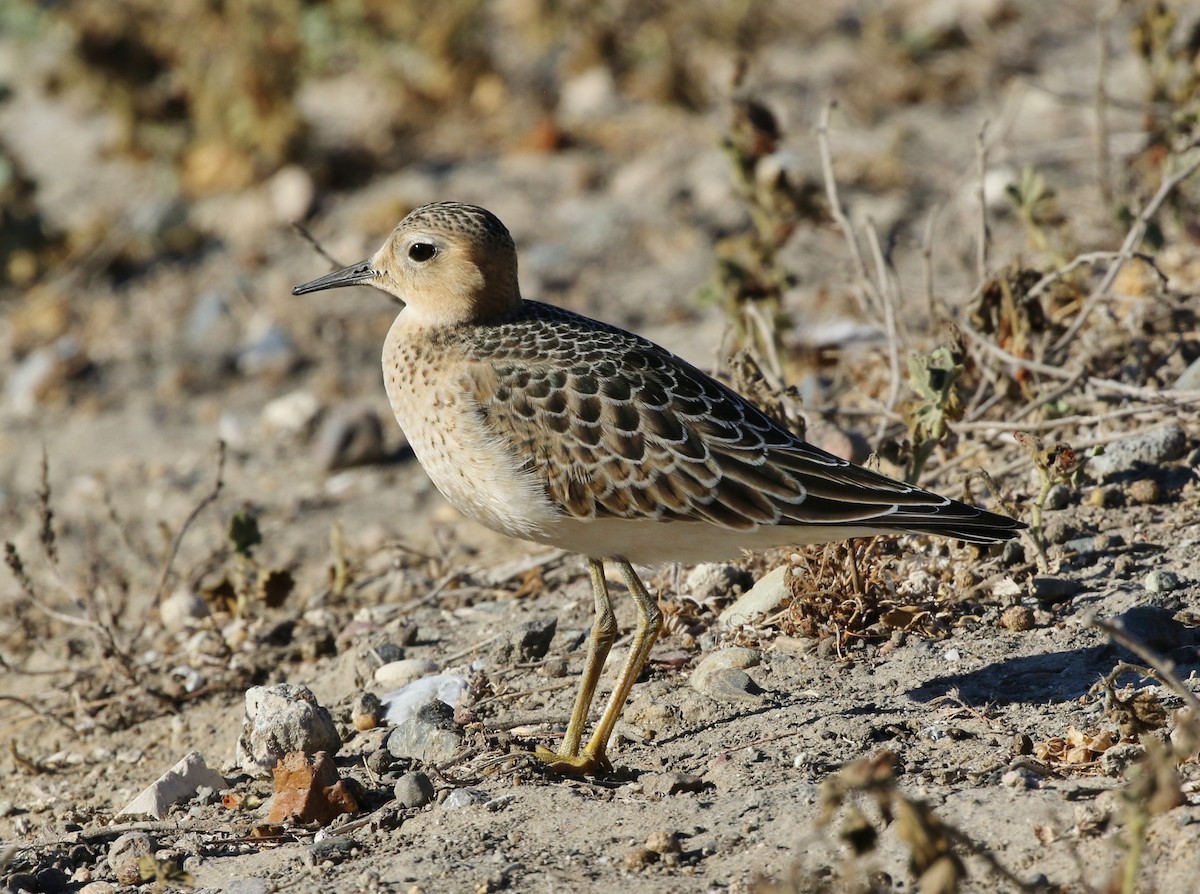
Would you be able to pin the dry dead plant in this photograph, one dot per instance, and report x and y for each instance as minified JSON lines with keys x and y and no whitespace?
{"x":1154,"y":785}
{"x":935,"y":848}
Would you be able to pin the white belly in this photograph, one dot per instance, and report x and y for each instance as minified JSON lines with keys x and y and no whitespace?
{"x":474,"y":470}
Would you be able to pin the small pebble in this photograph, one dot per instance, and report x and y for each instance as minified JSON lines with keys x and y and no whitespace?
{"x":1057,"y":530}
{"x":429,"y":735}
{"x":182,"y":609}
{"x":1058,"y":497}
{"x":292,"y":413}
{"x":728,"y":684}
{"x":674,"y":783}
{"x":414,"y":790}
{"x":1017,"y":618}
{"x":663,"y":842}
{"x":1050,"y":590}
{"x":396,"y":674}
{"x":350,"y":437}
{"x":464,"y":797}
{"x":1013,"y":553}
{"x":529,"y":642}
{"x":1189,"y":379}
{"x":1145,"y":491}
{"x":1120,"y":757}
{"x":124,"y":854}
{"x":366,"y":712}
{"x":401,"y":704}
{"x":334,"y":849}
{"x":712,"y":581}
{"x":1106,"y":497}
{"x":1016,"y":779}
{"x":1159,"y":581}
{"x":640,"y":858}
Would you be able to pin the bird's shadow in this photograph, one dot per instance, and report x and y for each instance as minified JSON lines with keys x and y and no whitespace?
{"x":1039,"y":679}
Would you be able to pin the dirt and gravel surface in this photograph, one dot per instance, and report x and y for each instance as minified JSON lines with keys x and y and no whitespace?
{"x":916,"y":714}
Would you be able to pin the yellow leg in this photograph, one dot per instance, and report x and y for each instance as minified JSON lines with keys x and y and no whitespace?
{"x":649,"y":626}
{"x":604,"y":633}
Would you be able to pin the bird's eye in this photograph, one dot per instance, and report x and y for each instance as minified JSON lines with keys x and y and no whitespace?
{"x":421,"y":251}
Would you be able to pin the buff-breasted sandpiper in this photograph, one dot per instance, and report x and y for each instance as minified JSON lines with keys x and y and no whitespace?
{"x":552,"y":427}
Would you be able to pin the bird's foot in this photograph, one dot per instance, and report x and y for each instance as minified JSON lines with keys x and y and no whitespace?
{"x":584,"y":764}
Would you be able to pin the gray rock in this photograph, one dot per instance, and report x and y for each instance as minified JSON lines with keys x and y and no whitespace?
{"x":1053,"y":589}
{"x":414,"y":790}
{"x":764,"y":597}
{"x":350,"y":437}
{"x":282,"y":719}
{"x":734,"y":656}
{"x":334,"y":849}
{"x":1161,"y":581}
{"x":529,"y":642}
{"x":124,"y":854}
{"x":429,"y":735}
{"x":1013,"y":553}
{"x":464,"y":797}
{"x":732,"y":685}
{"x":180,"y":783}
{"x":717,"y":580}
{"x":1120,"y":757}
{"x":720,"y":676}
{"x":1058,"y":497}
{"x":1150,"y":448}
{"x":1090,"y":546}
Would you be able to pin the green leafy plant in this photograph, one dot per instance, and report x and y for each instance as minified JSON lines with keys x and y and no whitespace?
{"x":934,"y":377}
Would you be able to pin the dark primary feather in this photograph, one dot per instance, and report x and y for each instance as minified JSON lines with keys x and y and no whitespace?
{"x":641,"y":434}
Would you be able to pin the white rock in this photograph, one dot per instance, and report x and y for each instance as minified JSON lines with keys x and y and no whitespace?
{"x":180,"y":783}
{"x":292,"y":413}
{"x":279,"y":720}
{"x":398,"y":674}
{"x":179,"y":610}
{"x":291,"y":192}
{"x":762,"y":598}
{"x":404,"y":703}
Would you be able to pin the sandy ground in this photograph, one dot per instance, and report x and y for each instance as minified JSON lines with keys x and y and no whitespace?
{"x":1002,"y":748}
